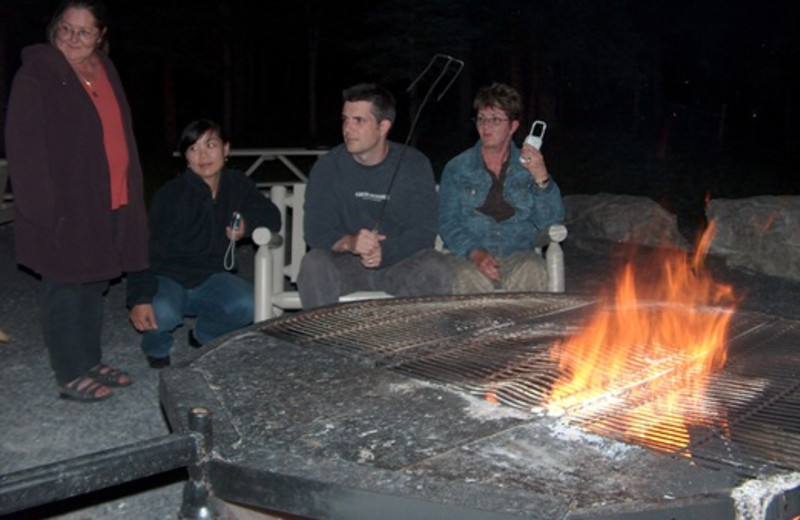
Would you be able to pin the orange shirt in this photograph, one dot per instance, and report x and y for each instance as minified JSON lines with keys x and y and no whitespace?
{"x":116,"y":147}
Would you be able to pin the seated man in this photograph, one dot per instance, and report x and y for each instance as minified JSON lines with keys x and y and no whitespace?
{"x":370,"y":212}
{"x":497,"y":202}
{"x":191,"y":242}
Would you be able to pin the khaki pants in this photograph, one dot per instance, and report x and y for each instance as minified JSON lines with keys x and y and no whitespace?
{"x":522,"y":271}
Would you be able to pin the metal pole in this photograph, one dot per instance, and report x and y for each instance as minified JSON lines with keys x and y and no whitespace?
{"x":196,"y":504}
{"x":80,"y":475}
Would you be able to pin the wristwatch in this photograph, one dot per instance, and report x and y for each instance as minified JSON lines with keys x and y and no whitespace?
{"x":542,"y":184}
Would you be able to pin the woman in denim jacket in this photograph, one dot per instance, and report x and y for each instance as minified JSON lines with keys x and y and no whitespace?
{"x":497,"y":202}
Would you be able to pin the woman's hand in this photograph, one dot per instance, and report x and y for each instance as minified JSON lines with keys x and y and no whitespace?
{"x":239,"y":233}
{"x":533,"y":161}
{"x":486,"y":263}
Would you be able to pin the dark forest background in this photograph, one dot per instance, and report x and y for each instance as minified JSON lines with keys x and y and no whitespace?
{"x":677,"y":100}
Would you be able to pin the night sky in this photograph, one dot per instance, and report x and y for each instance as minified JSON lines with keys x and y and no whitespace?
{"x":675,"y":100}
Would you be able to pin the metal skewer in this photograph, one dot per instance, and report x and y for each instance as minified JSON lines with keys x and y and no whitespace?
{"x":450,"y":64}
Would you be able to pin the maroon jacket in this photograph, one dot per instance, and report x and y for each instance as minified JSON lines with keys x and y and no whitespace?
{"x":60,"y":178}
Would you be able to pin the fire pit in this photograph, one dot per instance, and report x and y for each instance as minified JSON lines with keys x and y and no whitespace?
{"x":437,"y":408}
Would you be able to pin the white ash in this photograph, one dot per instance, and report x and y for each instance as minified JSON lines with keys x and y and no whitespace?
{"x":476,"y":408}
{"x":410,"y":386}
{"x":754,"y":496}
{"x":566,"y":432}
{"x":483,"y":409}
{"x":365,"y":455}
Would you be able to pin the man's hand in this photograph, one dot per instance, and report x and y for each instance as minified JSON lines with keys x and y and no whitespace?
{"x":365,"y":244}
{"x":372,"y":259}
{"x":533,"y":161}
{"x":143,"y":317}
{"x":486,"y":263}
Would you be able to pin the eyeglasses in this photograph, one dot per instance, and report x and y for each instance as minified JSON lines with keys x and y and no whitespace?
{"x":491,"y":121}
{"x":85,"y":35}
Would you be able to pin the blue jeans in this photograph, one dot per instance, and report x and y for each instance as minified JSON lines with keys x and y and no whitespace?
{"x":223,"y":303}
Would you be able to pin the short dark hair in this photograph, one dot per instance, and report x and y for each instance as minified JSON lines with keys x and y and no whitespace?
{"x":197,"y":129}
{"x":96,"y":7}
{"x":383,"y":103}
{"x":502,"y":96}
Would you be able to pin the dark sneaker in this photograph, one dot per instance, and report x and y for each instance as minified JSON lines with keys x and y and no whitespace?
{"x":158,"y":362}
{"x":193,"y":342}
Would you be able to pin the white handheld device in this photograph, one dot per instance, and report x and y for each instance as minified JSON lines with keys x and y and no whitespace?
{"x":236,"y":219}
{"x":230,"y":256}
{"x":536,"y":134}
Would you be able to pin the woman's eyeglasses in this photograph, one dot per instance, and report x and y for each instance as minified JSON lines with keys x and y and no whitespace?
{"x":491,"y":121}
{"x":86,"y":35}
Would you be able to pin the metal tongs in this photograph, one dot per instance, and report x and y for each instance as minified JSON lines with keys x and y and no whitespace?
{"x":449,"y":66}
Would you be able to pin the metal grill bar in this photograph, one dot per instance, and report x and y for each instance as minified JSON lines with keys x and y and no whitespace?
{"x":497,"y":347}
{"x":410,"y":328}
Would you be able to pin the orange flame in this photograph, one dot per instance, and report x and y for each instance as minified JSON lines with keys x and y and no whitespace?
{"x":644,"y":358}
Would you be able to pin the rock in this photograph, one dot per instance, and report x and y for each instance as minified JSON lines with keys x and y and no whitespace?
{"x":622,"y":218}
{"x":758,"y":233}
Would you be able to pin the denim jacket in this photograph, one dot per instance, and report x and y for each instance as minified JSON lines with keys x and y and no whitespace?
{"x":463,"y":188}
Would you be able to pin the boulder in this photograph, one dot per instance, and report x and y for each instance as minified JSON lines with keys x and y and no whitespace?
{"x":758,"y":233}
{"x":622,"y":218}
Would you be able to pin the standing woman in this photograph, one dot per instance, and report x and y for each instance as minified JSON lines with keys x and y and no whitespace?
{"x":80,"y":219}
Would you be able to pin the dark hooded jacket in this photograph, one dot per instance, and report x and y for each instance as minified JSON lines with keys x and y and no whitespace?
{"x":188,"y":242}
{"x":59,"y":174}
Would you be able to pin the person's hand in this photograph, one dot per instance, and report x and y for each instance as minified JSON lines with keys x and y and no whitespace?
{"x":239,"y":233}
{"x":372,"y":259}
{"x":143,"y":317}
{"x":486,"y":263}
{"x":533,"y":161}
{"x":367,"y":245}
{"x":365,"y":242}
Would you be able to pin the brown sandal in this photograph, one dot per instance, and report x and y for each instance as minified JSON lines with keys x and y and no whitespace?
{"x":85,"y":389}
{"x":109,"y":376}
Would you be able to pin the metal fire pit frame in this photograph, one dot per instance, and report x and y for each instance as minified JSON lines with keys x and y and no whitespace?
{"x":69,"y":478}
{"x":284,"y":467}
{"x":309,"y":432}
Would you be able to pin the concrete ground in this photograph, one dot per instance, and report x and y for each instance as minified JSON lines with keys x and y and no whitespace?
{"x":39,"y":428}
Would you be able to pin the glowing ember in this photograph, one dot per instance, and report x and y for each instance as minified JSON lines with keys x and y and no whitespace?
{"x":644,"y":359}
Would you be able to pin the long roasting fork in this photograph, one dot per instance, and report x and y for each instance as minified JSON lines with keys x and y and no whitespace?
{"x":448,"y":65}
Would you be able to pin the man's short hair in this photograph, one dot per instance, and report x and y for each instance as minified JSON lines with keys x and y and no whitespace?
{"x":501,"y":96}
{"x":383,"y":103}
